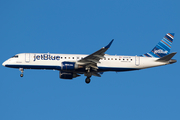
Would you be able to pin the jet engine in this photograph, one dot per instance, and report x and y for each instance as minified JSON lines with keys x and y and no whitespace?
{"x":67,"y":75}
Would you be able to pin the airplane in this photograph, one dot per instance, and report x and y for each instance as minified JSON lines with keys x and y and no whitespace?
{"x":73,"y":65}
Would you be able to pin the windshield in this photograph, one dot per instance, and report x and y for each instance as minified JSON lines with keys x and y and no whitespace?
{"x":15,"y":56}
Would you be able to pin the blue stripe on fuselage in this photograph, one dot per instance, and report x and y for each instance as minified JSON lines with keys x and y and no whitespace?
{"x":101,"y":69}
{"x":116,"y":69}
{"x":35,"y":67}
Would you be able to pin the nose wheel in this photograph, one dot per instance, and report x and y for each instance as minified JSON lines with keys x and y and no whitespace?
{"x":22,"y":71}
{"x":88,"y":80}
{"x":21,"y":75}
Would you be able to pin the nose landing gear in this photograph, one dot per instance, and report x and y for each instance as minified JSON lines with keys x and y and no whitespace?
{"x":21,"y":75}
{"x":22,"y":71}
{"x":88,"y":80}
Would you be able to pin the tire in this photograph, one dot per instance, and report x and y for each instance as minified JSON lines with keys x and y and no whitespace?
{"x":21,"y":75}
{"x":88,"y":80}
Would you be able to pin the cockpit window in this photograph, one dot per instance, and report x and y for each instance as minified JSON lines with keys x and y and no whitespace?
{"x":15,"y":56}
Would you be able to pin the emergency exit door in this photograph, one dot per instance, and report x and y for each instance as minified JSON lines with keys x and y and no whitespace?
{"x":137,"y":60}
{"x":27,"y":57}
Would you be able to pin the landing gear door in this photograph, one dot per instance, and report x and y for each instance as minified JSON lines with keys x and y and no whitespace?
{"x":137,"y":60}
{"x":27,"y":57}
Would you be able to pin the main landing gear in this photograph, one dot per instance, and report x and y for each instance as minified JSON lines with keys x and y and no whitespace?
{"x":88,"y":74}
{"x":22,"y":71}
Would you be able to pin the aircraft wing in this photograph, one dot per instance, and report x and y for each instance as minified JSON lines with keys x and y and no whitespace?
{"x":92,"y":59}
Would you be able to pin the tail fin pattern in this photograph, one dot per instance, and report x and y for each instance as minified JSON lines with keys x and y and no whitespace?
{"x":162,"y":48}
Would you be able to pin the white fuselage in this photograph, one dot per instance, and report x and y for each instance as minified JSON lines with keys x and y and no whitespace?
{"x":54,"y":61}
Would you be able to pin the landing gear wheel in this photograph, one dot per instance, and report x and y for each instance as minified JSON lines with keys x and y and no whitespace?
{"x":88,"y":80}
{"x":21,"y":75}
{"x":22,"y":70}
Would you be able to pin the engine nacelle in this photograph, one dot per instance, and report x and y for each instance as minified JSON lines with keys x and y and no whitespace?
{"x":69,"y":66}
{"x":67,"y":75}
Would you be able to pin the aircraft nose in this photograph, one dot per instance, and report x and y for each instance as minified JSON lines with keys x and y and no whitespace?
{"x":4,"y":63}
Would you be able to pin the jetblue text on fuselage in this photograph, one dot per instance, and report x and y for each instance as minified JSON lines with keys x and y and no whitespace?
{"x":46,"y":57}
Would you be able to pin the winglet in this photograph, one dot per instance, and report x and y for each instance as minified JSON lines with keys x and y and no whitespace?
{"x":109,"y":44}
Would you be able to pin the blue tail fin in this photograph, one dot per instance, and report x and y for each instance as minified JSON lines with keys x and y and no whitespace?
{"x":162,"y":48}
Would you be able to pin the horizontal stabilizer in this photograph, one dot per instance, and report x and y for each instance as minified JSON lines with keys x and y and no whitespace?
{"x":166,"y":58}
